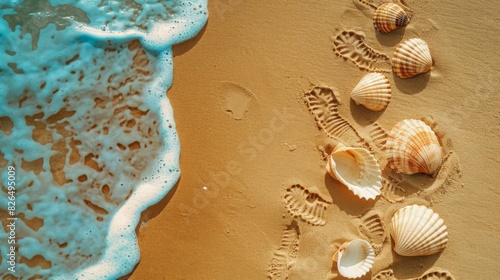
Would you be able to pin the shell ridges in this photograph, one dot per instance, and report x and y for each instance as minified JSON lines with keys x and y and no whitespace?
{"x":412,"y":57}
{"x":418,"y":231}
{"x":413,"y":147}
{"x":373,"y":91}
{"x":389,"y":17}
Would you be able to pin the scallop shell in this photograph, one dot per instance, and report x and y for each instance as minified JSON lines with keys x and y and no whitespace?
{"x":412,"y":147}
{"x":355,"y":258}
{"x":418,"y":231}
{"x":412,"y":57}
{"x":356,"y":168}
{"x":373,"y":91}
{"x":389,"y":17}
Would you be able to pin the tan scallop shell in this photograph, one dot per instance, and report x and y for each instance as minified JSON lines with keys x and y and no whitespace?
{"x":418,"y":231}
{"x":355,"y":258}
{"x":412,"y":57}
{"x":357,"y":169}
{"x":389,"y":17}
{"x":412,"y":147}
{"x":373,"y":91}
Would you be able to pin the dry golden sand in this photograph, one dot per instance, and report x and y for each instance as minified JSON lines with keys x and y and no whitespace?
{"x":252,"y":64}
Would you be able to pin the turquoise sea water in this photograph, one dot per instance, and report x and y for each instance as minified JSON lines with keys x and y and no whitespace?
{"x":87,"y":135}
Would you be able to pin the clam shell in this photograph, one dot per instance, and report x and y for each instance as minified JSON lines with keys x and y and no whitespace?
{"x":357,"y":169}
{"x":355,"y":258}
{"x":412,"y":57}
{"x":412,"y":147}
{"x":373,"y":91}
{"x":418,"y":231}
{"x":389,"y":17}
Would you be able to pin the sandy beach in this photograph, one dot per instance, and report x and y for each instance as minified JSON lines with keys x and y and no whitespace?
{"x":248,"y":139}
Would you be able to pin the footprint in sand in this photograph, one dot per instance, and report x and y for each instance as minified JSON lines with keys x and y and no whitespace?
{"x":378,"y":135}
{"x":351,"y":45}
{"x":324,"y":105}
{"x":437,"y":275}
{"x":372,"y":227}
{"x":352,"y":18}
{"x":238,"y":99}
{"x":432,"y":274}
{"x":391,"y":190}
{"x":387,"y":274}
{"x":286,"y":255}
{"x":306,"y":204}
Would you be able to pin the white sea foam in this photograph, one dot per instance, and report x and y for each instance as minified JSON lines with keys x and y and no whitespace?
{"x":81,"y":132}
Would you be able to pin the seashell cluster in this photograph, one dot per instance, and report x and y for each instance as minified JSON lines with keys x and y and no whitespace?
{"x":355,"y":258}
{"x":411,"y":57}
{"x":418,"y":231}
{"x":389,"y":17}
{"x":373,"y":91}
{"x":357,"y":169}
{"x":413,"y":147}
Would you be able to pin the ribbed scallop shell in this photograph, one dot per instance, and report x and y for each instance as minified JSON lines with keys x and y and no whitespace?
{"x":373,"y":91}
{"x":357,"y":169}
{"x":389,"y":17}
{"x":412,"y":57}
{"x":412,"y":147}
{"x":355,"y":258}
{"x":418,"y":231}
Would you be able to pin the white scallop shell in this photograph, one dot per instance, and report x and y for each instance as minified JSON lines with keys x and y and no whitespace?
{"x":418,"y":231}
{"x":357,"y":169}
{"x":412,"y":57}
{"x":355,"y":258}
{"x":413,"y":147}
{"x":373,"y":91}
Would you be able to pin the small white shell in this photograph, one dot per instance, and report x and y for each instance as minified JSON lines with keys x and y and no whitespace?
{"x":373,"y":91}
{"x":357,"y":169}
{"x":412,"y":57}
{"x":389,"y":17}
{"x":418,"y":231}
{"x":413,"y":147}
{"x":355,"y":258}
